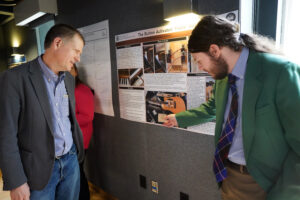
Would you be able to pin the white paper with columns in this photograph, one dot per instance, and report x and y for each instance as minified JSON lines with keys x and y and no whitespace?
{"x":95,"y":65}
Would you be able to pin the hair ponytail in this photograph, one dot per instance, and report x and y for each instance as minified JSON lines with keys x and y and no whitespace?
{"x":213,"y":30}
{"x":259,"y":43}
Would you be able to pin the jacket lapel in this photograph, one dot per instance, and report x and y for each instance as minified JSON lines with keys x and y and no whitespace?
{"x":221,"y":101}
{"x":252,"y":89}
{"x":68,"y":83}
{"x":38,"y":84}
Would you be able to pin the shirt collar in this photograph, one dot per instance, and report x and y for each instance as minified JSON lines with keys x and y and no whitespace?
{"x":241,"y":64}
{"x":49,"y":74}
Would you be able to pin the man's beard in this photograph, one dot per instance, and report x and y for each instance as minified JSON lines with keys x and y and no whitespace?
{"x":219,"y":69}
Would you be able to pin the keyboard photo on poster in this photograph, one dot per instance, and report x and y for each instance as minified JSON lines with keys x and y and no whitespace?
{"x":131,"y":77}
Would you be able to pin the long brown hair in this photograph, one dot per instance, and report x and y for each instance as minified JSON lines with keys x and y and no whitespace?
{"x":214,"y":30}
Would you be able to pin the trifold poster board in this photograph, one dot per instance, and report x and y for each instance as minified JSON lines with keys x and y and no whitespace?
{"x":157,"y":76}
{"x":95,"y":65}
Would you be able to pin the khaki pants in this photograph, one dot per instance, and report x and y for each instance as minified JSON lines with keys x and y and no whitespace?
{"x":241,"y":186}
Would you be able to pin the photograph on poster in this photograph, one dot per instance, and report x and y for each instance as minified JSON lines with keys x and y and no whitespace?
{"x":160,"y":104}
{"x":209,"y":87}
{"x":148,"y":52}
{"x":169,"y":56}
{"x":131,"y":77}
{"x":160,"y":58}
{"x":177,"y":56}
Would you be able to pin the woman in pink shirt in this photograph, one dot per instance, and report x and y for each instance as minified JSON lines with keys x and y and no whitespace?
{"x":84,"y":109}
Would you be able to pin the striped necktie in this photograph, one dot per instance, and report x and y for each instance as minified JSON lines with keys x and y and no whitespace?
{"x":226,"y":137}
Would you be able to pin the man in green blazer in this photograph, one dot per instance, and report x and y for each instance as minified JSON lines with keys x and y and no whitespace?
{"x":263,"y":144}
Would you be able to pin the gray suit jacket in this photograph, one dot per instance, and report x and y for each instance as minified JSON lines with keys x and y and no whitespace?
{"x":27,"y":150}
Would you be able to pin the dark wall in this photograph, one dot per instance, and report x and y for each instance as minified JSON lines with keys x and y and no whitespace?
{"x":216,"y":7}
{"x":121,"y":150}
{"x":3,"y":64}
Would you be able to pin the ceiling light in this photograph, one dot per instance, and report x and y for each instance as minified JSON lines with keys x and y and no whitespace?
{"x":30,"y":10}
{"x":188,"y":16}
{"x":31,"y":18}
{"x":181,"y":12}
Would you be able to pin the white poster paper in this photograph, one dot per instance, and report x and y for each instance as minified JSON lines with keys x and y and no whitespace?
{"x":132,"y":104}
{"x":95,"y":65}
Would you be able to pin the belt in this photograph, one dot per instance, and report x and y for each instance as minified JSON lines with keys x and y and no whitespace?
{"x":59,"y":157}
{"x":241,"y":168}
{"x":73,"y":148}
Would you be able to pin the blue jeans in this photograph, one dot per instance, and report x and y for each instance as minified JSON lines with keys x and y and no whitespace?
{"x":64,"y":183}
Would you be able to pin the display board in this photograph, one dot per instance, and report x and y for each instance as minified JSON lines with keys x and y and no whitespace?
{"x":157,"y":76}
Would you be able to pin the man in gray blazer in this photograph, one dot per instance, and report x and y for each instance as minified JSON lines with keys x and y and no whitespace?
{"x":40,"y":140}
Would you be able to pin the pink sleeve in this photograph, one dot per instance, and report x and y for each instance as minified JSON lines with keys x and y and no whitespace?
{"x":84,"y":105}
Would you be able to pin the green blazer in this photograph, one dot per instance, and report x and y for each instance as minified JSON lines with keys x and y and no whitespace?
{"x":270,"y":122}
